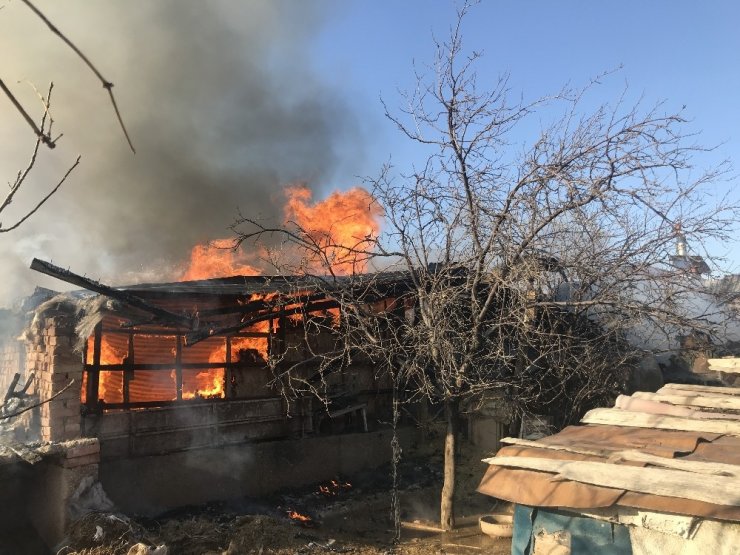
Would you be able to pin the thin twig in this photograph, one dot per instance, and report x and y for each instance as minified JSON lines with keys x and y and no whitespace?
{"x":46,"y":139}
{"x":43,"y":200}
{"x":106,"y":84}
{"x":66,"y":387}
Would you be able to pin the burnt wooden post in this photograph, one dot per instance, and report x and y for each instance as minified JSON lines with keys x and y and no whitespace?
{"x":93,"y":372}
{"x":11,"y":389}
{"x":229,"y":370}
{"x":128,"y":372}
{"x":178,"y":367}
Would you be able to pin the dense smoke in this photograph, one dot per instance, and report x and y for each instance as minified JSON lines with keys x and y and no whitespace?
{"x":221,"y":103}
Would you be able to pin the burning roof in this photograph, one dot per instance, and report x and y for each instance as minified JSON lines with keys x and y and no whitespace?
{"x":152,"y":343}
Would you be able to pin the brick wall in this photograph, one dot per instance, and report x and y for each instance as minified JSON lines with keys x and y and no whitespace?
{"x":50,"y":355}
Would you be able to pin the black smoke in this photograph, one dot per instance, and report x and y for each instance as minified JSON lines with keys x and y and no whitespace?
{"x":220,"y":100}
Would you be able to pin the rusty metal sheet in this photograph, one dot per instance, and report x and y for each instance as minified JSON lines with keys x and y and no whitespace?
{"x":540,"y":489}
{"x":529,"y":487}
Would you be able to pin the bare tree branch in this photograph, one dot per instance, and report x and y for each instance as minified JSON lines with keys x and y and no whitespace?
{"x":107,"y":85}
{"x":15,"y":187}
{"x":40,"y":203}
{"x":26,"y":409}
{"x":45,"y":138}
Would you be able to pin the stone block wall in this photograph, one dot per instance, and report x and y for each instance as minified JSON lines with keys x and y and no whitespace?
{"x":50,"y":355}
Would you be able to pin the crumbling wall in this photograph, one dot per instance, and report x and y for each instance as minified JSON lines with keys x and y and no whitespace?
{"x":63,"y":488}
{"x":51,"y":357}
{"x":43,"y":492}
{"x":163,"y":430}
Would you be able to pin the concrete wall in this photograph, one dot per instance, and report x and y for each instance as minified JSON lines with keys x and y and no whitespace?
{"x":175,"y":428}
{"x":41,"y":494}
{"x":486,"y":432}
{"x":55,"y":481}
{"x":149,"y":485}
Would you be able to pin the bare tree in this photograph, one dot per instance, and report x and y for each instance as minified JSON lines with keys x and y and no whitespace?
{"x":528,"y":272}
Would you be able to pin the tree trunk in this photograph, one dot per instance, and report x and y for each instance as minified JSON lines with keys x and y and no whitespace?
{"x":447,"y":513}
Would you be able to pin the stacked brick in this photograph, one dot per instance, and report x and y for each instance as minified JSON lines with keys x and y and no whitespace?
{"x":50,"y":354}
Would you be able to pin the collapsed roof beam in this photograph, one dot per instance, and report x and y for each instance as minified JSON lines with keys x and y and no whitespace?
{"x":204,"y":333}
{"x":122,"y":296}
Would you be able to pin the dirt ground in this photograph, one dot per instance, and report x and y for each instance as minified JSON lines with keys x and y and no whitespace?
{"x":353,"y":519}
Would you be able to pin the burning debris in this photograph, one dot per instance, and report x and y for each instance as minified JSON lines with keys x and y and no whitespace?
{"x":300,"y":518}
{"x":333,"y":488}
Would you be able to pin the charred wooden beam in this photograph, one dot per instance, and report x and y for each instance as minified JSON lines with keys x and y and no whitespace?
{"x":29,"y":381}
{"x":255,"y":306}
{"x":200,"y":335}
{"x":93,"y":370}
{"x":11,"y":389}
{"x":170,"y":332}
{"x":167,"y":366}
{"x":122,"y":296}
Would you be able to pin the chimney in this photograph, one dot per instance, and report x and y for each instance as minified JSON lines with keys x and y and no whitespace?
{"x":680,"y":240}
{"x":681,"y":245}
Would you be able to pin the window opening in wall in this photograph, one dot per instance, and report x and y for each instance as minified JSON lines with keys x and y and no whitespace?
{"x":142,"y":368}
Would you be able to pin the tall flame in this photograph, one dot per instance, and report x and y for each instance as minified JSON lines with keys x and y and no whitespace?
{"x":216,"y":259}
{"x":342,"y":225}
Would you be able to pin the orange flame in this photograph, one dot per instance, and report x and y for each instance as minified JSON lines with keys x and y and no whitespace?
{"x":295,"y":515}
{"x":209,"y":384}
{"x":332,"y":488}
{"x":341,"y":225}
{"x":218,"y":259}
{"x":251,"y":344}
{"x":110,"y":384}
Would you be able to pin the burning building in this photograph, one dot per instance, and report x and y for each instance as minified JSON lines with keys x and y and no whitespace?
{"x":175,"y":378}
{"x":180,"y":393}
